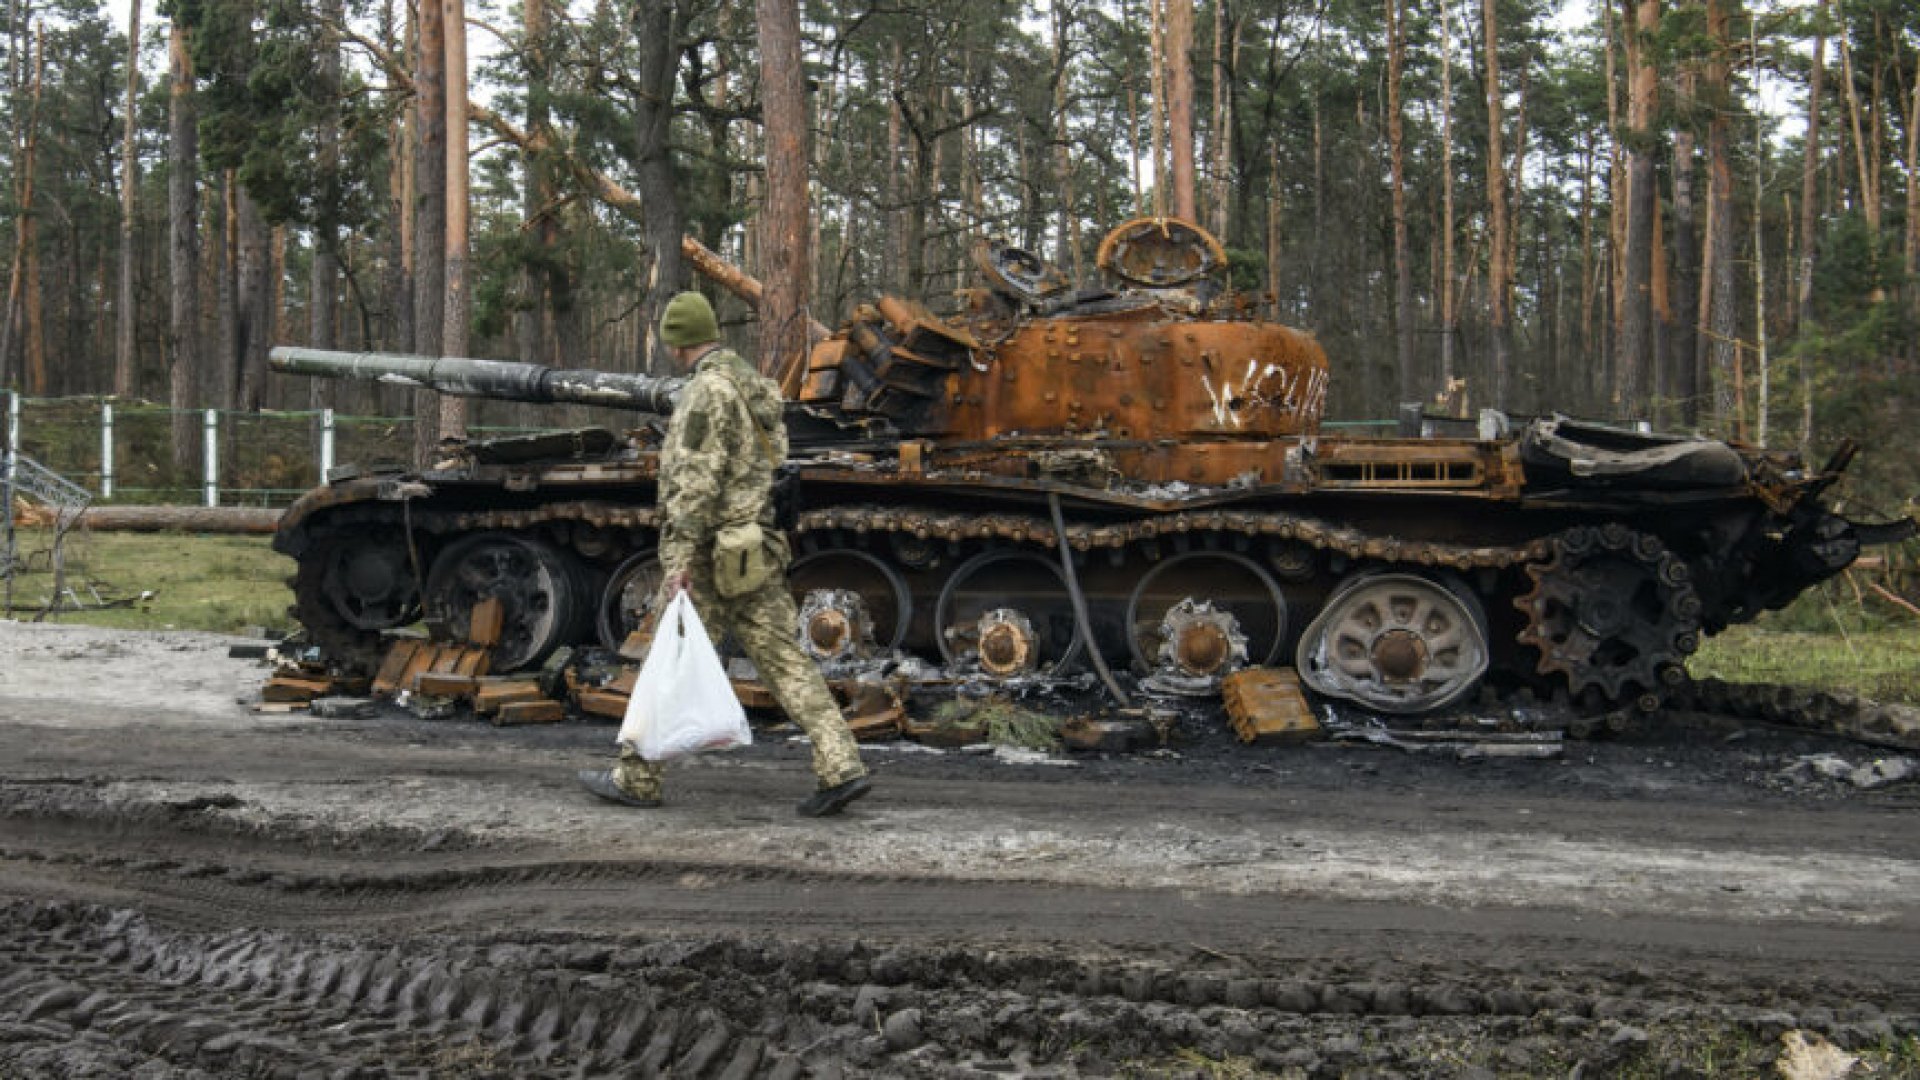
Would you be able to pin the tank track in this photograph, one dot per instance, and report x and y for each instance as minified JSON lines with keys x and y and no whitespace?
{"x":1315,"y":533}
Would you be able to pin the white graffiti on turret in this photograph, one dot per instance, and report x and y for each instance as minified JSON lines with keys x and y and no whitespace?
{"x":1302,"y":393}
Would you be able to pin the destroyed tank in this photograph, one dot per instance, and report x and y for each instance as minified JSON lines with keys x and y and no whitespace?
{"x":1130,"y":481}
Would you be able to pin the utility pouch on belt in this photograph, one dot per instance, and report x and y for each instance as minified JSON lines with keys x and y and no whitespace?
{"x":743,"y":559}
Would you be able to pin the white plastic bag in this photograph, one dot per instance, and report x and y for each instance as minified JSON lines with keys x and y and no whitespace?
{"x":682,"y":702}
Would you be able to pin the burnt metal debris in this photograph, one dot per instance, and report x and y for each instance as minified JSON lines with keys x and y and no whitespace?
{"x":1212,"y":525}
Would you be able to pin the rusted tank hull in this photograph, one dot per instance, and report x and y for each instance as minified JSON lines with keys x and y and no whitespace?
{"x":1208,"y":524}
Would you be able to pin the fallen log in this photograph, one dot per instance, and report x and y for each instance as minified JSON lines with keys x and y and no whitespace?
{"x":207,"y":519}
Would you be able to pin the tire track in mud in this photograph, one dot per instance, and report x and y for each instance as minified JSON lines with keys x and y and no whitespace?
{"x":415,"y":893}
{"x":86,"y":990}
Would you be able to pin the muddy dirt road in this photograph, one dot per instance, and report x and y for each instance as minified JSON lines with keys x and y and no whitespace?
{"x":193,"y":890}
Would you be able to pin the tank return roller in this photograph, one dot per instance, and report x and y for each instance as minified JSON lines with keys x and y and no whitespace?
{"x":502,"y":380}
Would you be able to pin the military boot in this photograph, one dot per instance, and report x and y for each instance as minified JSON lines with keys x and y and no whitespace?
{"x":602,"y":783}
{"x":829,"y":801}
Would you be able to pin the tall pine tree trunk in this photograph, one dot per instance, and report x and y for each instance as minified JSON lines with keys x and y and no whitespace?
{"x":1499,"y":274}
{"x":32,"y":305}
{"x":536,"y":193}
{"x":129,"y":191}
{"x":1067,"y":250}
{"x":784,"y":225}
{"x":429,"y":211}
{"x":1226,"y":49}
{"x":1180,"y":107}
{"x":1686,"y":286}
{"x":184,"y":346}
{"x":893,"y":275}
{"x":1810,"y":171}
{"x":659,"y":189}
{"x":1402,"y":258}
{"x":223,"y":387}
{"x":1157,"y":124}
{"x":1722,"y":321}
{"x":323,"y":287}
{"x":1448,"y":316}
{"x":1912,"y":238}
{"x":254,"y":304}
{"x":23,"y":284}
{"x":1636,"y":322}
{"x":459,"y":303}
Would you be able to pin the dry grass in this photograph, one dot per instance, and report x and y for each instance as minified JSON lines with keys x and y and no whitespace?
{"x":220,"y":583}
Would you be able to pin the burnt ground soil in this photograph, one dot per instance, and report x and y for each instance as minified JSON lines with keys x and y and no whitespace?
{"x":191,"y":889}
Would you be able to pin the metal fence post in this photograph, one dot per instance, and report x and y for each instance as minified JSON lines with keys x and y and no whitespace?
{"x":326,"y":443}
{"x":212,"y":451}
{"x":106,"y":451}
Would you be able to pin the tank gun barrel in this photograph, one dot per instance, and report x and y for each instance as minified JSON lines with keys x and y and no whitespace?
{"x":501,"y":380}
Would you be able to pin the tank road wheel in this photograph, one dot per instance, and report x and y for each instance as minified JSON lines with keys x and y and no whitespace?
{"x":839,"y":592}
{"x":1195,"y":618}
{"x":545,"y":595}
{"x":1614,"y":612}
{"x":627,"y":603}
{"x":1010,"y":611}
{"x":1395,"y":643}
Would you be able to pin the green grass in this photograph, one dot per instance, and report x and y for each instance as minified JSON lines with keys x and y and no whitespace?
{"x":1879,"y":664}
{"x":221,"y":583}
{"x":1828,"y":639}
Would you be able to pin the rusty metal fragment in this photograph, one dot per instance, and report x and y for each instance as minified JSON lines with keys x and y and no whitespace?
{"x":1267,"y":705}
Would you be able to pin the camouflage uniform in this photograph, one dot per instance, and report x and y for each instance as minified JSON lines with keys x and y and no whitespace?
{"x":726,"y":436}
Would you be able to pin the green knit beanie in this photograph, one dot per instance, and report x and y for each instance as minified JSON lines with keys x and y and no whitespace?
{"x":689,"y":321}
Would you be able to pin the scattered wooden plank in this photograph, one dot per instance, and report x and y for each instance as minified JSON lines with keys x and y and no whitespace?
{"x":393,"y":666}
{"x":485,"y":622}
{"x":636,"y":645}
{"x":543,"y":711}
{"x":753,"y":695}
{"x":602,"y":703}
{"x":422,"y":660}
{"x":444,"y":684}
{"x":489,"y":698}
{"x":299,"y":689}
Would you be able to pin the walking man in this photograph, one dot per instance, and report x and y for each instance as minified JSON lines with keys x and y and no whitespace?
{"x":718,"y":540}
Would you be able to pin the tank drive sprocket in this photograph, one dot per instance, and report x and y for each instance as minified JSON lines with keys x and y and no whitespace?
{"x":1614,"y":612}
{"x":356,"y":582}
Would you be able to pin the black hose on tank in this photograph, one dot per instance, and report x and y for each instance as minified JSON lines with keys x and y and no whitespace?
{"x":1080,"y":602}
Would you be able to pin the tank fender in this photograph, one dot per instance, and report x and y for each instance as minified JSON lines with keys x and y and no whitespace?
{"x":296,"y":525}
{"x":1598,"y":454}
